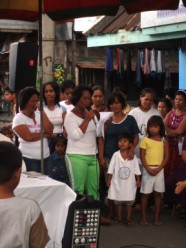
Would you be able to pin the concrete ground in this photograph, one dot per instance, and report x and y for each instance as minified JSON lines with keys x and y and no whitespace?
{"x":171,"y":234}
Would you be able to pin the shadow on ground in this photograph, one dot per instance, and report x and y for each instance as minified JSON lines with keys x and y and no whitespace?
{"x":171,"y":234}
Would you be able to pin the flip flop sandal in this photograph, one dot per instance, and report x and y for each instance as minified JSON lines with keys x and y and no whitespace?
{"x":158,"y":223}
{"x":144,"y":223}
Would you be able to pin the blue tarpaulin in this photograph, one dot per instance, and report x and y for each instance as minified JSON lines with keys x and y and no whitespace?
{"x":182,"y":66}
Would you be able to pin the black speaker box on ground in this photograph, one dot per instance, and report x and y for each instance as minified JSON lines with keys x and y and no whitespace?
{"x":82,"y":225}
{"x":22,"y":65}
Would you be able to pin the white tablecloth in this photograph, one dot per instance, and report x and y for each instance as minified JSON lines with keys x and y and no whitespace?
{"x":54,"y":199}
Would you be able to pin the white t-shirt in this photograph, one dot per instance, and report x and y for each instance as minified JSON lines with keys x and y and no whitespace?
{"x":4,"y":138}
{"x":68,"y":107}
{"x":20,"y":222}
{"x":55,"y":116}
{"x":31,"y":149}
{"x":123,"y":183}
{"x":79,"y":142}
{"x":142,"y":118}
{"x":100,"y":125}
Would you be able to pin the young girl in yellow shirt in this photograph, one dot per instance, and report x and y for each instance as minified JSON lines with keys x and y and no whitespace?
{"x":154,"y":155}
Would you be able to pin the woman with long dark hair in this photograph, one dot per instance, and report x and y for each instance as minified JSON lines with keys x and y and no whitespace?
{"x":164,"y":106}
{"x":175,"y":125}
{"x":52,"y":109}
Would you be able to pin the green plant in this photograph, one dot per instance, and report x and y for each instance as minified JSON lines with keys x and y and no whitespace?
{"x":59,"y":73}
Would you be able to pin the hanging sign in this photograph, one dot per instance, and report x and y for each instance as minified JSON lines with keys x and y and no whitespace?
{"x":163,"y":17}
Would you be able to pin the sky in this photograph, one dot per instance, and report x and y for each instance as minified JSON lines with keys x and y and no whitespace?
{"x":83,"y":24}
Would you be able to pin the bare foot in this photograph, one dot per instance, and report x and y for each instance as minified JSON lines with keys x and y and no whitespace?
{"x":158,"y":223}
{"x":143,"y":223}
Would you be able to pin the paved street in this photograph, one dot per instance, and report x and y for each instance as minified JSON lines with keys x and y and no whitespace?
{"x":172,"y":234}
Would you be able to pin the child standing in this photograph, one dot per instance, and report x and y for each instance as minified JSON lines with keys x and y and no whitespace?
{"x":57,"y":163}
{"x":67,"y":88}
{"x":10,"y":98}
{"x":123,"y":177}
{"x":22,"y":223}
{"x":154,"y":156}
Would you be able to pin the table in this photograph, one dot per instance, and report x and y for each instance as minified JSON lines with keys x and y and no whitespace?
{"x":54,"y":199}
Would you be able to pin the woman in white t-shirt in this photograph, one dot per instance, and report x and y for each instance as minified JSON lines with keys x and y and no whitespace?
{"x":26,"y":125}
{"x":81,"y":160}
{"x":142,"y":114}
{"x":53,"y":109}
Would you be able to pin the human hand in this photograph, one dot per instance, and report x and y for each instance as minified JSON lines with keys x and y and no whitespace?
{"x":45,"y":135}
{"x":138,"y":183}
{"x":108,"y":121}
{"x":90,"y":115}
{"x":64,"y":132}
{"x":156,"y":170}
{"x":151,"y":171}
{"x":131,"y":154}
{"x":102,"y":163}
{"x":180,"y":186}
{"x":108,"y":183}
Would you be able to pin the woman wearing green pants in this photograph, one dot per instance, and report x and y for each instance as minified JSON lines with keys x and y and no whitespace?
{"x":81,"y":160}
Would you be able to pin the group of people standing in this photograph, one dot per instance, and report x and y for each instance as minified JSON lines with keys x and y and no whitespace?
{"x":104,"y":147}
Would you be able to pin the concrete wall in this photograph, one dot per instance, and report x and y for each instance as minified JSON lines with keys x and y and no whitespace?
{"x":54,"y":51}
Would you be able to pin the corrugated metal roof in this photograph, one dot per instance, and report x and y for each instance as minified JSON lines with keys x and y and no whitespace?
{"x":124,"y":21}
{"x":111,"y":24}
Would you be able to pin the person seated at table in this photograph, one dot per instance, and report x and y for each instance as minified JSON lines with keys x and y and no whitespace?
{"x":58,"y":170}
{"x":16,"y":230}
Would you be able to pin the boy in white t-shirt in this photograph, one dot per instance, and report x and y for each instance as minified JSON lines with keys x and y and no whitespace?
{"x":22,"y":223}
{"x":123,"y":177}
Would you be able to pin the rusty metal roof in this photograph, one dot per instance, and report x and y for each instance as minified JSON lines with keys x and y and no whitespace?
{"x":111,"y":24}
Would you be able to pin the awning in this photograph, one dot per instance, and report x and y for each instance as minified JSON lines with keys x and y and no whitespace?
{"x":133,"y":6}
{"x":62,"y":10}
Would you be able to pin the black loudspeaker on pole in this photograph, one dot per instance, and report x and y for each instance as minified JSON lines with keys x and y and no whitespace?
{"x":22,"y":65}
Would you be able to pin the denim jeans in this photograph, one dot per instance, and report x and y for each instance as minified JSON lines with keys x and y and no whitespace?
{"x":35,"y":165}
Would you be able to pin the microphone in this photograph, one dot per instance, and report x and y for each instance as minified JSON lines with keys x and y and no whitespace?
{"x":88,"y":108}
{"x":97,"y":114}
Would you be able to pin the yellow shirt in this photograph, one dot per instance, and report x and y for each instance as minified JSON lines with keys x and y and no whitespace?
{"x":127,"y":109}
{"x":154,"y":151}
